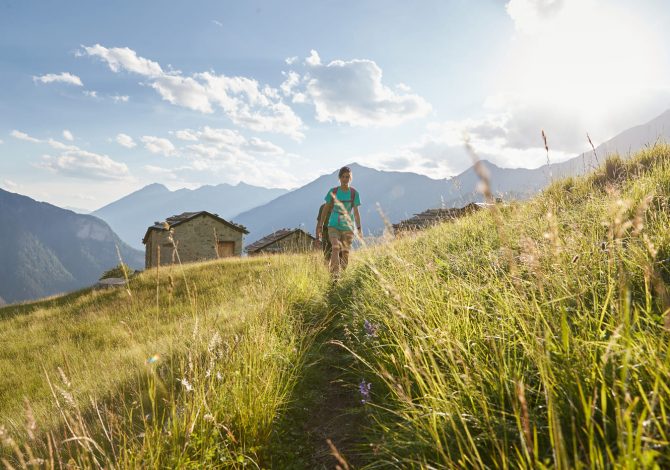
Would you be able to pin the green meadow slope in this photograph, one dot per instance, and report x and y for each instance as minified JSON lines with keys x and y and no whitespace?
{"x":527,"y":335}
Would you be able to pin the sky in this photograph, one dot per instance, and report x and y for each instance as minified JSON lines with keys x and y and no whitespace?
{"x":98,"y":98}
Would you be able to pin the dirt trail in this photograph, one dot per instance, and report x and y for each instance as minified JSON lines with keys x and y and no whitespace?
{"x":325,"y":406}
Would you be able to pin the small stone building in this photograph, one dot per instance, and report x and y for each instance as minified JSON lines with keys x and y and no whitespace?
{"x":283,"y":241}
{"x":432,"y":217}
{"x":198,"y":236}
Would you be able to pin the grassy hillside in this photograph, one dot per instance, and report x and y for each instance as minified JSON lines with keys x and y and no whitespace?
{"x":529,"y":335}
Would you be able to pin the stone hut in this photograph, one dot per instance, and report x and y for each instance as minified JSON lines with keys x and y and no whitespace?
{"x":432,"y":217}
{"x":283,"y":241}
{"x":198,"y":236}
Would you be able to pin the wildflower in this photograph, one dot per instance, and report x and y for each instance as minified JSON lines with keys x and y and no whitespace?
{"x":186,"y":384}
{"x":364,"y":388}
{"x":67,"y":396}
{"x":209,"y":418}
{"x":219,"y":376}
{"x":214,"y":342}
{"x":370,"y":329}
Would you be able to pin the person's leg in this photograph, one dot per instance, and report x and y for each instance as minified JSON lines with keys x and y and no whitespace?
{"x":347,"y":239}
{"x":334,"y":238}
{"x":327,"y":248}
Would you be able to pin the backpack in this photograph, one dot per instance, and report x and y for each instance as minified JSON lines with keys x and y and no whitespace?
{"x":329,"y":207}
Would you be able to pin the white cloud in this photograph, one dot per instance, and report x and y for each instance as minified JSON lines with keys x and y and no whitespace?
{"x":248,"y":105}
{"x":291,"y":60}
{"x":242,"y":99}
{"x":222,"y":137}
{"x":313,"y":59}
{"x":440,"y":151}
{"x":227,"y":155}
{"x":23,"y":136}
{"x":90,"y":94}
{"x":257,"y":145}
{"x":83,"y":164}
{"x":74,"y":161}
{"x":218,"y":23}
{"x":120,"y":98}
{"x":67,"y":135}
{"x":352,"y":92}
{"x":182,"y":91}
{"x":125,"y":140}
{"x":206,"y":151}
{"x":186,"y":134}
{"x":124,"y":58}
{"x":158,"y":145}
{"x":218,"y":143}
{"x":60,"y":145}
{"x":292,"y":81}
{"x":64,"y":77}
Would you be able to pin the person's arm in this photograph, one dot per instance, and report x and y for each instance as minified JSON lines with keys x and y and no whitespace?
{"x":357,"y":218}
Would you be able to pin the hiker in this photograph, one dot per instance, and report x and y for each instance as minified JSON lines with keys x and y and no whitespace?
{"x":341,"y":201}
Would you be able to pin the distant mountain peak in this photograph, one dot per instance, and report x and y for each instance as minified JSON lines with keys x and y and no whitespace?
{"x":154,"y":187}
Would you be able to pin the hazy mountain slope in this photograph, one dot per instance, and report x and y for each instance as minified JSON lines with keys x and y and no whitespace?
{"x":130,"y":216}
{"x":624,"y":144}
{"x":47,"y":250}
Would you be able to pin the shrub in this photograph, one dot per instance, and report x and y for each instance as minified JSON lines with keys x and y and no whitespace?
{"x":120,"y":270}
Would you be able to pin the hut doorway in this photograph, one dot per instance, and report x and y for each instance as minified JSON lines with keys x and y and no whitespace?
{"x":225,"y":249}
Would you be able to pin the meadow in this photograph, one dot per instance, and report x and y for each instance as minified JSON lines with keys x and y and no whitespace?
{"x":527,"y":335}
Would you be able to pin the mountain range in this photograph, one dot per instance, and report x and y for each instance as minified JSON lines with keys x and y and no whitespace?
{"x":130,"y":216}
{"x":47,"y":250}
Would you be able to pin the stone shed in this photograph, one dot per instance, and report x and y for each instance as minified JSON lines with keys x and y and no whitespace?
{"x":431,"y":217}
{"x":198,"y":236}
{"x":283,"y":241}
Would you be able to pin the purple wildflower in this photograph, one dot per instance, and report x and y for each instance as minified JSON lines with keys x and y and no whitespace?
{"x":370,"y":329}
{"x":364,"y":387}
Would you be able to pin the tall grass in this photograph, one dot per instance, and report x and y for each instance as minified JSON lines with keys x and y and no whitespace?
{"x":156,"y":380}
{"x":556,"y":357}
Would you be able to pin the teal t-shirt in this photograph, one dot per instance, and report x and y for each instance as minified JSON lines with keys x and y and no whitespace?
{"x":338,"y":218}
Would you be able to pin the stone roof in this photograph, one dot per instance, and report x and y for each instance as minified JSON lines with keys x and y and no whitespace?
{"x":272,"y":238}
{"x":432,"y":217}
{"x":185,"y":217}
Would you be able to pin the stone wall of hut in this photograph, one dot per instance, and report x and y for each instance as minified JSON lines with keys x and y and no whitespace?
{"x":296,"y":242}
{"x":195,"y":239}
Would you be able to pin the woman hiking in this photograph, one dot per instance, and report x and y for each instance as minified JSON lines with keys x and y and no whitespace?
{"x":341,"y":202}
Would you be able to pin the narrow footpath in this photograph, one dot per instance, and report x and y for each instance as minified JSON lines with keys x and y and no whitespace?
{"x":325,"y":415}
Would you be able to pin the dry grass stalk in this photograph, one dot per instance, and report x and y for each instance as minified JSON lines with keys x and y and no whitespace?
{"x":342,"y":463}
